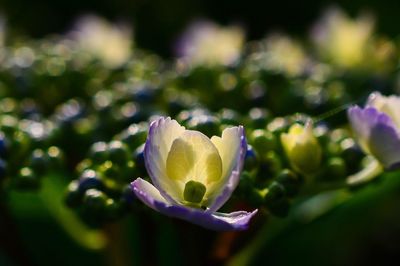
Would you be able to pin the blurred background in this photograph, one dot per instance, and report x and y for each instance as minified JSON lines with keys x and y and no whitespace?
{"x":359,"y":230}
{"x":157,"y":24}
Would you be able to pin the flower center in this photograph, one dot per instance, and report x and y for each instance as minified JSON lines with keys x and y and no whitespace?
{"x":194,"y":164}
{"x":194,"y":192}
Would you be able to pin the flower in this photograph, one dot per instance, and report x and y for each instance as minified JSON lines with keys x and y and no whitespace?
{"x":282,"y":54}
{"x":206,"y":43}
{"x":302,"y":148}
{"x":376,"y":128}
{"x":112,"y":44}
{"x":193,"y":175}
{"x":342,"y":40}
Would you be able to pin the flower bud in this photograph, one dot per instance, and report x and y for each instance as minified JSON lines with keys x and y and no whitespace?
{"x":302,"y":148}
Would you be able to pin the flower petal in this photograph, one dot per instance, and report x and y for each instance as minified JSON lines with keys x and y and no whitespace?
{"x":232,"y":147}
{"x":362,"y":121}
{"x":194,"y":157}
{"x":376,"y":134}
{"x":147,"y":193}
{"x":386,"y":104}
{"x":162,"y":133}
{"x":214,"y":221}
{"x":384,"y":143}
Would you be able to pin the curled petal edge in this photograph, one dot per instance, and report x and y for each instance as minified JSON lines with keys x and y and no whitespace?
{"x":152,"y":167}
{"x":217,"y":221}
{"x":233,"y":179}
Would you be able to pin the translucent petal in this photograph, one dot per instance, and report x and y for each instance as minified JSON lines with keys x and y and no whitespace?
{"x":194,"y":157}
{"x":384,"y":145}
{"x":389,"y":105}
{"x":232,"y":147}
{"x":147,"y":193}
{"x":162,"y":133}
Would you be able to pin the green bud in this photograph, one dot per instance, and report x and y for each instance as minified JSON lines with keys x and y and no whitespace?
{"x":246,"y":184}
{"x":194,"y":191}
{"x":302,"y":148}
{"x":289,"y":180}
{"x":94,"y":201}
{"x":256,"y":196}
{"x":333,"y":149}
{"x":134,"y":136}
{"x":99,"y":152}
{"x":275,"y":199}
{"x":111,"y":174}
{"x":263,"y":141}
{"x":336,"y":168}
{"x":118,"y":152}
{"x":259,"y":117}
{"x":270,"y":165}
{"x":209,"y":125}
{"x":276,"y":192}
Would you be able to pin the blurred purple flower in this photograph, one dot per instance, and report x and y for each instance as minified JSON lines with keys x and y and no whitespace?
{"x":193,"y":175}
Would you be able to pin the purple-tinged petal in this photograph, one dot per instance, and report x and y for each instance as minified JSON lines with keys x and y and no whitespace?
{"x":162,"y":133}
{"x":384,"y":144}
{"x":373,"y":98}
{"x":376,"y":134}
{"x":215,"y":221}
{"x":389,"y":105}
{"x":147,"y":193}
{"x":231,"y":181}
{"x":362,"y":120}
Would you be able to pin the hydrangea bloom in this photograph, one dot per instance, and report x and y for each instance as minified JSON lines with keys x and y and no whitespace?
{"x":377,"y":128}
{"x":193,"y":175}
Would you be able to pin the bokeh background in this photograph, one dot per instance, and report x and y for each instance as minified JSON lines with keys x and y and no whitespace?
{"x":365,"y":230}
{"x":158,"y":23}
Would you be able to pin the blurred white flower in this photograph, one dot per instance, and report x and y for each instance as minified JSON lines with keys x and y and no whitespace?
{"x":280,"y":53}
{"x":342,"y":40}
{"x":205,"y":43}
{"x":112,"y":44}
